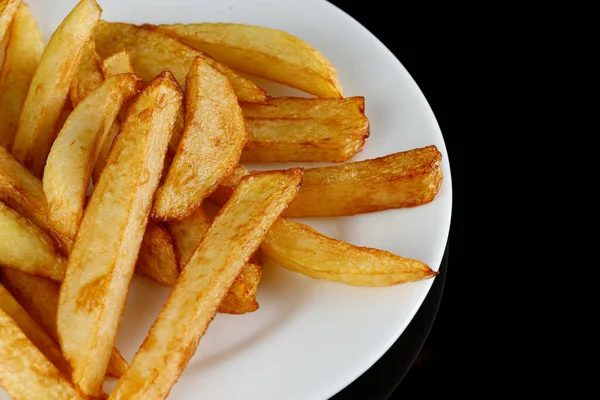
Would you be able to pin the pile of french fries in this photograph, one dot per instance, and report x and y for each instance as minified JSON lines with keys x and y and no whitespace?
{"x":113,"y":138}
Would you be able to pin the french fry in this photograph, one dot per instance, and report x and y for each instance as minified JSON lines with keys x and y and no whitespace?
{"x":50,"y":85}
{"x":21,"y":57}
{"x":103,"y":257}
{"x":73,"y":154}
{"x":157,"y":259}
{"x":88,"y":75}
{"x":8,"y":9}
{"x":405,"y":179}
{"x":152,"y":52}
{"x":26,"y":247}
{"x":241,"y":297}
{"x":39,"y":297}
{"x":226,"y":187}
{"x":302,"y":249}
{"x":25,"y":373}
{"x":118,"y":63}
{"x":307,"y":108}
{"x":210,"y":147}
{"x":234,"y":235}
{"x":34,"y":332}
{"x":265,"y":52}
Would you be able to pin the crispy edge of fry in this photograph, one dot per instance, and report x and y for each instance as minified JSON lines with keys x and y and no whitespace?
{"x":303,"y":107}
{"x":50,"y":85}
{"x":8,"y":9}
{"x":213,"y":138}
{"x":226,"y":187}
{"x":21,"y":57}
{"x":241,"y":296}
{"x":158,"y":259}
{"x":234,"y":235}
{"x":25,"y":371}
{"x":39,"y":297}
{"x":88,"y":75}
{"x":92,"y":299}
{"x":300,"y":248}
{"x":117,"y":63}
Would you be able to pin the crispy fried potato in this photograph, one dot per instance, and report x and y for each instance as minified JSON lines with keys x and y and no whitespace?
{"x":210,"y":147}
{"x":73,"y":154}
{"x":26,"y":247}
{"x":265,"y":52}
{"x":233,"y":236}
{"x":21,"y":57}
{"x":22,"y":191}
{"x":50,"y":85}
{"x":226,"y":187}
{"x":8,"y":9}
{"x":405,"y":179}
{"x":39,"y":297}
{"x":34,"y":332}
{"x":157,"y":259}
{"x":25,"y":373}
{"x":118,"y":63}
{"x":88,"y":75}
{"x":112,"y":133}
{"x":302,"y":249}
{"x":103,"y":257}
{"x":301,"y":108}
{"x":241,"y":297}
{"x":152,"y":52}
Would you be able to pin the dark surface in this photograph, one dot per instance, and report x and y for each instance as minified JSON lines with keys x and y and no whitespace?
{"x":428,"y":52}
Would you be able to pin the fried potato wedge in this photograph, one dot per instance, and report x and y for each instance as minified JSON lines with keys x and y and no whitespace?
{"x":405,"y":179}
{"x":8,"y":9}
{"x":34,"y":332}
{"x":118,"y":63}
{"x":302,"y":249}
{"x":26,"y":247}
{"x":152,"y":52}
{"x":103,"y":257}
{"x":241,"y":297}
{"x":307,"y":108}
{"x":21,"y":57}
{"x":50,"y":85}
{"x":265,"y":52}
{"x":39,"y":297}
{"x":88,"y":75}
{"x":23,"y":192}
{"x":210,"y":147}
{"x":226,"y":187}
{"x":234,"y":235}
{"x":25,"y":373}
{"x":157,"y":259}
{"x":73,"y":154}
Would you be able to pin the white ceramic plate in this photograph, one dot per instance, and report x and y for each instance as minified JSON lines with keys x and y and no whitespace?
{"x":310,"y":338}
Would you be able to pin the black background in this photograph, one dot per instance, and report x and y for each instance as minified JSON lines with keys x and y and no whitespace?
{"x":428,"y":52}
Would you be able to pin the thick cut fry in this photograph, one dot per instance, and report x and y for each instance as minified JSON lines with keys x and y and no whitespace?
{"x":210,"y":147}
{"x":157,"y":259}
{"x":233,"y":236}
{"x":226,"y":187}
{"x":301,"y":107}
{"x":69,"y":166}
{"x":152,"y":52}
{"x":50,"y":85}
{"x":21,"y":57}
{"x":25,"y":373}
{"x":265,"y":52}
{"x":34,"y":332}
{"x":406,"y":179}
{"x":39,"y":297}
{"x":88,"y":75}
{"x":26,"y":247}
{"x":8,"y":9}
{"x":241,"y":297}
{"x":302,"y":249}
{"x":118,"y":63}
{"x":22,"y":191}
{"x":102,"y":261}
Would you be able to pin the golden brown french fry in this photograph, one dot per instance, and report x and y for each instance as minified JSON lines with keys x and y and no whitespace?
{"x":8,"y":9}
{"x":302,"y":249}
{"x":226,"y":187}
{"x":157,"y":259}
{"x":26,"y":247}
{"x":405,"y":179}
{"x":25,"y":373}
{"x":21,"y":57}
{"x":241,"y":297}
{"x":103,"y":257}
{"x":234,"y":235}
{"x":265,"y":52}
{"x":309,"y":108}
{"x":34,"y":332}
{"x":39,"y":297}
{"x":118,"y":63}
{"x":73,"y":154}
{"x":113,"y":131}
{"x":210,"y":147}
{"x":50,"y":85}
{"x":88,"y":75}
{"x":152,"y":52}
